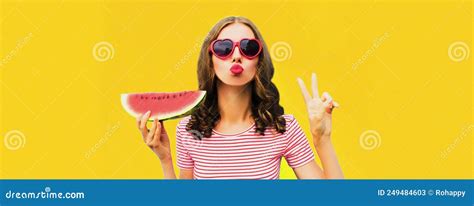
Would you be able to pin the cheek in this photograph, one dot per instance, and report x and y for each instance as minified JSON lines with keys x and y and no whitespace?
{"x":251,"y":66}
{"x":218,"y":64}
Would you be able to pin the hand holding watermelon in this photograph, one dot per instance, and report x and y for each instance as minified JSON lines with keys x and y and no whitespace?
{"x":156,"y":137}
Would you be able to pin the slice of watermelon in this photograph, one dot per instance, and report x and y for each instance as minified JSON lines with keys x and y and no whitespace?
{"x":163,"y":105}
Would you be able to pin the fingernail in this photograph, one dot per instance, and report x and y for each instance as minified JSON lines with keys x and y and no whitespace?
{"x":147,"y":112}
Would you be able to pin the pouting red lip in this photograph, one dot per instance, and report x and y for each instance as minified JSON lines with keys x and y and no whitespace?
{"x":236,"y":69}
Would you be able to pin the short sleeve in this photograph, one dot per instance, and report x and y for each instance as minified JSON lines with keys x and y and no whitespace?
{"x":184,"y":159}
{"x":298,"y":151}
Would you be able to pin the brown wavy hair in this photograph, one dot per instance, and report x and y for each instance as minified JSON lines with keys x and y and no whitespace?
{"x":265,"y":107}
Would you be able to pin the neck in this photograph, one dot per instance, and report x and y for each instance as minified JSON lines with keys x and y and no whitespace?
{"x":234,"y":103}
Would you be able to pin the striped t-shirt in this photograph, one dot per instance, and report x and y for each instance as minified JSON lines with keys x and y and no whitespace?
{"x":244,"y":155}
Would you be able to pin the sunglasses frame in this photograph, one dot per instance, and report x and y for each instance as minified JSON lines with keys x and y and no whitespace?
{"x":235,"y":44}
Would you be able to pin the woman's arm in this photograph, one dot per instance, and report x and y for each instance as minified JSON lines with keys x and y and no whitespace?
{"x":328,"y":158}
{"x":327,"y":155}
{"x":168,"y":169}
{"x":320,"y":117}
{"x":185,"y":174}
{"x":158,"y":141}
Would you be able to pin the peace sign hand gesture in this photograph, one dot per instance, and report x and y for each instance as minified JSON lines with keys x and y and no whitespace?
{"x":319,"y":110}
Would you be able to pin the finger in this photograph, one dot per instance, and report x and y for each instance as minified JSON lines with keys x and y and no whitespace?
{"x":327,"y":98}
{"x":164,"y":135}
{"x":329,"y":109}
{"x":157,"y":135}
{"x":143,"y":122}
{"x":328,"y":106}
{"x":139,"y":119}
{"x":163,"y":129}
{"x":151,"y":132}
{"x":305,"y":92}
{"x":327,"y":102}
{"x":314,"y":85}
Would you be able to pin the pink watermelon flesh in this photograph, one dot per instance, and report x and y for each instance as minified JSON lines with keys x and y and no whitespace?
{"x":163,"y":105}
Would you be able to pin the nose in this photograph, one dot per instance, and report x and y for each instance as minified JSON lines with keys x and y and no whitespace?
{"x":236,"y":56}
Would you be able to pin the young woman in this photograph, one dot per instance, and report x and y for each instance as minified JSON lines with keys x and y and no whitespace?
{"x":240,"y":130}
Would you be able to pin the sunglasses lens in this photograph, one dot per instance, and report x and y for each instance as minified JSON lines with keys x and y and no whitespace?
{"x":222,"y":48}
{"x":250,"y":47}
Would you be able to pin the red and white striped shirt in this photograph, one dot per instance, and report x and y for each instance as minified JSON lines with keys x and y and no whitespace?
{"x":245,"y":155}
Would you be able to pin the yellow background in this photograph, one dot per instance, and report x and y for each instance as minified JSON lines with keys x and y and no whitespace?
{"x":386,"y":62}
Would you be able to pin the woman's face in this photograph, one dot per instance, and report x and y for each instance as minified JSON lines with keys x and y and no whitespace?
{"x":222,"y":67}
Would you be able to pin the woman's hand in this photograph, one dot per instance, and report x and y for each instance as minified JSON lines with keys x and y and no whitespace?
{"x":319,"y":110}
{"x":156,"y":137}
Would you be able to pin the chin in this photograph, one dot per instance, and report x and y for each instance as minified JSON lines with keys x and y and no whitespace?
{"x":235,"y":82}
